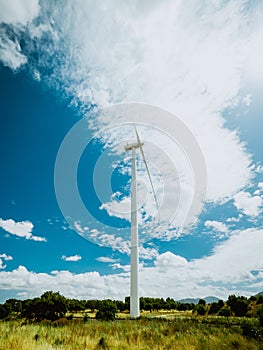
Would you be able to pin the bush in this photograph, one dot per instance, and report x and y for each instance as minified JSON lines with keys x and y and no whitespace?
{"x":200,"y":309}
{"x":85,"y":318}
{"x":225,"y":311}
{"x":107,"y":311}
{"x":251,"y":331}
{"x":3,"y":312}
{"x":50,"y":306}
{"x":102,"y":344}
{"x":260,"y":316}
{"x":239,"y":305}
{"x":214,"y":308}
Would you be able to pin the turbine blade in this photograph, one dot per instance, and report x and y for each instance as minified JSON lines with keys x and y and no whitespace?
{"x":147,"y":168}
{"x":137,"y":135}
{"x":150,"y":178}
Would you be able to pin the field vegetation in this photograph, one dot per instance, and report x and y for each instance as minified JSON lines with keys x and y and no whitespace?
{"x":54,"y":322}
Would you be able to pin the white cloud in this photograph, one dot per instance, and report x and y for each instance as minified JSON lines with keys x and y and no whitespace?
{"x":216,"y":225}
{"x":226,"y":271}
{"x":18,"y":12}
{"x":10,"y":53}
{"x":121,"y":244}
{"x":118,"y":208}
{"x":238,"y":255}
{"x":147,"y":253}
{"x":71,"y":258}
{"x":106,"y":259}
{"x":196,"y":78}
{"x":79,"y":228}
{"x":204,"y":67}
{"x":247,"y":100}
{"x":125,"y":268}
{"x":20,"y":229}
{"x":171,"y":260}
{"x":6,"y":258}
{"x":248,"y":204}
{"x":235,"y":219}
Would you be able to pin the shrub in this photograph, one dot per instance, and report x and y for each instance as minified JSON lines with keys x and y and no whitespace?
{"x":214,"y":308}
{"x":3,"y":312}
{"x":85,"y":318}
{"x":239,"y":305}
{"x":50,"y":306}
{"x":200,"y":309}
{"x":102,"y":344}
{"x":107,"y":311}
{"x":225,"y":311}
{"x":260,"y":299}
{"x":251,"y":331}
{"x":260,"y":316}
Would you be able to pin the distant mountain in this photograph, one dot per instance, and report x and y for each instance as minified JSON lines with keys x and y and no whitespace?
{"x":208,"y":300}
{"x":260,"y":293}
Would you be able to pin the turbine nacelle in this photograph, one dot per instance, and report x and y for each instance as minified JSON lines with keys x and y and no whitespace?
{"x":133,"y":145}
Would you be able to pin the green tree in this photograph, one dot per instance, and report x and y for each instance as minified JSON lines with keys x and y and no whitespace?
{"x":4,"y":312}
{"x":127,"y":303}
{"x":120,"y":305}
{"x":260,"y":299}
{"x":215,"y":307}
{"x":50,"y":306}
{"x":225,"y":312}
{"x":260,"y":316}
{"x":92,"y":304}
{"x":170,"y":304}
{"x":200,"y":309}
{"x":220,"y":303}
{"x":239,"y":305}
{"x":13,"y":305}
{"x":107,"y":310}
{"x":76,"y":305}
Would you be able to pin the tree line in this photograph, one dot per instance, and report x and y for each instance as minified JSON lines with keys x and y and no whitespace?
{"x":53,"y":306}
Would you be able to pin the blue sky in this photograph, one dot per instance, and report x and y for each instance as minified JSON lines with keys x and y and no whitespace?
{"x":65,"y":73}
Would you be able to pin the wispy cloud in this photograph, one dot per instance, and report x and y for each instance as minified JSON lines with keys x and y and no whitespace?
{"x":248,"y":204}
{"x":105,"y":259}
{"x":17,"y":12}
{"x":20,"y":229}
{"x":19,"y":15}
{"x":196,"y":79}
{"x":227,"y":270}
{"x":6,"y":258}
{"x":71,"y":258}
{"x":216,"y":225}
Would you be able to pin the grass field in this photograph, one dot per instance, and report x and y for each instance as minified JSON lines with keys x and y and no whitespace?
{"x":146,"y":333}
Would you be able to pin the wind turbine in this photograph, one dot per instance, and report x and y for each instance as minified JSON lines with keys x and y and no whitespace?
{"x":134,"y":280}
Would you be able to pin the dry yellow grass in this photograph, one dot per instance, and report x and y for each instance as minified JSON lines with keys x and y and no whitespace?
{"x":140,"y":335}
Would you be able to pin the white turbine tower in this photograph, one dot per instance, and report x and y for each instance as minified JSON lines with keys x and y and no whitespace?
{"x":134,"y":280}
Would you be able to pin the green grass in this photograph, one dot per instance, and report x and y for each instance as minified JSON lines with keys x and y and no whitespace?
{"x":143,"y":334}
